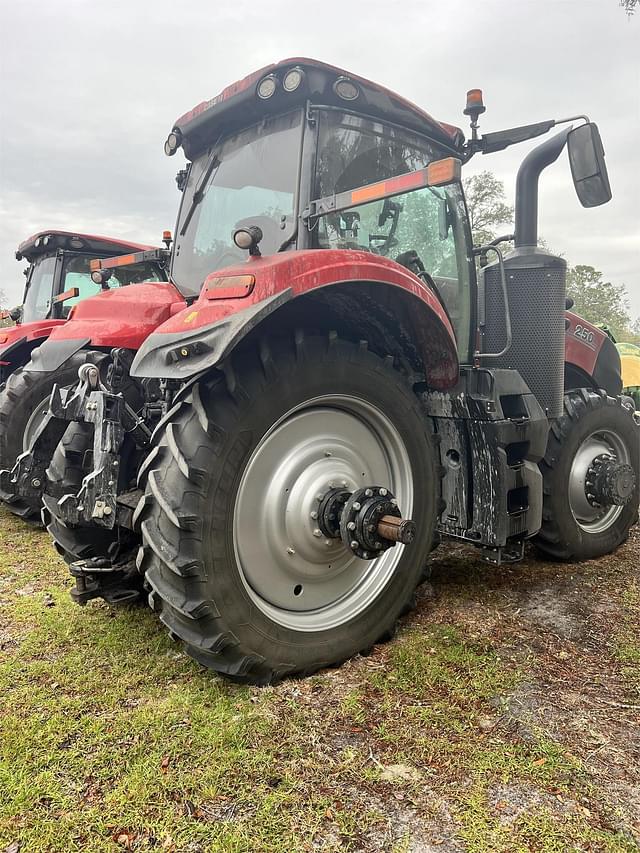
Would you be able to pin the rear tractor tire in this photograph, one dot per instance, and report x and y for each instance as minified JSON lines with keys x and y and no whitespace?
{"x":232,"y":551}
{"x":24,"y":401}
{"x":591,"y":477}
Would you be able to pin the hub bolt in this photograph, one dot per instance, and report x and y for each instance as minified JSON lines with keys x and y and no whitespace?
{"x":356,"y":506}
{"x":317,"y":533}
{"x":36,"y":483}
{"x":351,"y":525}
{"x":383,"y":492}
{"x":354,"y":545}
{"x":314,"y":515}
{"x":368,"y":492}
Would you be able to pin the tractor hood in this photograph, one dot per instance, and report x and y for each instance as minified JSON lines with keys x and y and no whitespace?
{"x":123,"y":317}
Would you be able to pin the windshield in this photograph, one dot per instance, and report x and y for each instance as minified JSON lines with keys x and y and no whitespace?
{"x":38,"y":297}
{"x":248,"y":180}
{"x":424,"y":230}
{"x":77,"y":274}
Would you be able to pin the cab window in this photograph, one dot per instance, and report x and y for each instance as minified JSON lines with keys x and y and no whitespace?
{"x":425,"y":229}
{"x":38,"y":297}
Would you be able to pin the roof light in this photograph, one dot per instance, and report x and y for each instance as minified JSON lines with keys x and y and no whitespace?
{"x":174,"y":141}
{"x":475,"y":104}
{"x":37,"y":242}
{"x":46,"y":240}
{"x":267,"y":87}
{"x":293,"y":79}
{"x":346,"y":89}
{"x":76,"y":243}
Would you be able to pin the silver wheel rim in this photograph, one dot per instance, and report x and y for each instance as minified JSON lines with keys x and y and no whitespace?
{"x":298,"y":578}
{"x":37,"y":416}
{"x":590,"y":518}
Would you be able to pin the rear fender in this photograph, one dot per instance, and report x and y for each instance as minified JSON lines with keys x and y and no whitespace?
{"x":199,"y":337}
{"x":591,"y":354}
{"x":17,"y":343}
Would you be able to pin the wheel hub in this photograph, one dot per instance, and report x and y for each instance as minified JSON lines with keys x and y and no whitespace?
{"x":608,"y":482}
{"x":601,"y":482}
{"x":369,"y":521}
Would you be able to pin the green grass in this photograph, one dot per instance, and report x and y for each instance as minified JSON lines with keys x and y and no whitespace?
{"x":111,"y":738}
{"x":627,"y":646}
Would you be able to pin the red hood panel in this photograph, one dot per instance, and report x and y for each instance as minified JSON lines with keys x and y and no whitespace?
{"x":37,"y":330}
{"x":123,"y":317}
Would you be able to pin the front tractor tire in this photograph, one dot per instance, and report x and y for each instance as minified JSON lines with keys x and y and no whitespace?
{"x":24,"y":401}
{"x":237,"y":566}
{"x":591,"y":477}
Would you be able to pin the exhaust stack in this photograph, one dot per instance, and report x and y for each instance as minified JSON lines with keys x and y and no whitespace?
{"x":526,"y":230}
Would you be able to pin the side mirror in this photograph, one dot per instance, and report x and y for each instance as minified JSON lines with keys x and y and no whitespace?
{"x":588,"y":169}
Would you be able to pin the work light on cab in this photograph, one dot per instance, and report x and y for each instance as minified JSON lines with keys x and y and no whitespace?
{"x":174,"y":141}
{"x":267,"y":87}
{"x":248,"y":238}
{"x":346,"y":89}
{"x":293,"y":79}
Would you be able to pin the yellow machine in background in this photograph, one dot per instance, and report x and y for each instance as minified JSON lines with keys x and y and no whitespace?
{"x":630,"y":359}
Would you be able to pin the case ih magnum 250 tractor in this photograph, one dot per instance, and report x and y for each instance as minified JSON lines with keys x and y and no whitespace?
{"x":58,"y":277}
{"x":342,"y":391}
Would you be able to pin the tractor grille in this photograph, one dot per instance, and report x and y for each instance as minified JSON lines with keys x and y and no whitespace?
{"x":536,"y":285}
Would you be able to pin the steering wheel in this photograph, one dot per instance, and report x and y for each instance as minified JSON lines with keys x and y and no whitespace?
{"x":412,"y":261}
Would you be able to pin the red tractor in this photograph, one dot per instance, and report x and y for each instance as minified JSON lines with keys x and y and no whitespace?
{"x":58,"y":278}
{"x":344,"y":390}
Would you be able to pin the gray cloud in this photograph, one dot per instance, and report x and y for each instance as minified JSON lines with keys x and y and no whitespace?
{"x":90,"y":91}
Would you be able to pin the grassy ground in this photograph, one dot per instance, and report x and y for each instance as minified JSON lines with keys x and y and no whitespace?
{"x":504,"y":717}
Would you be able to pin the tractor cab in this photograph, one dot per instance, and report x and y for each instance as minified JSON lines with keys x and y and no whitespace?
{"x":58,"y":275}
{"x":266,"y":151}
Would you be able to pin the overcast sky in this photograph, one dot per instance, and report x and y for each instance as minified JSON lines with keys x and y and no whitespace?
{"x":89,"y":91}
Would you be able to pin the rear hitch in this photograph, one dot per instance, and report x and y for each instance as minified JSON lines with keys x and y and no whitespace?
{"x":368,"y":520}
{"x":118,"y":583}
{"x":112,"y":418}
